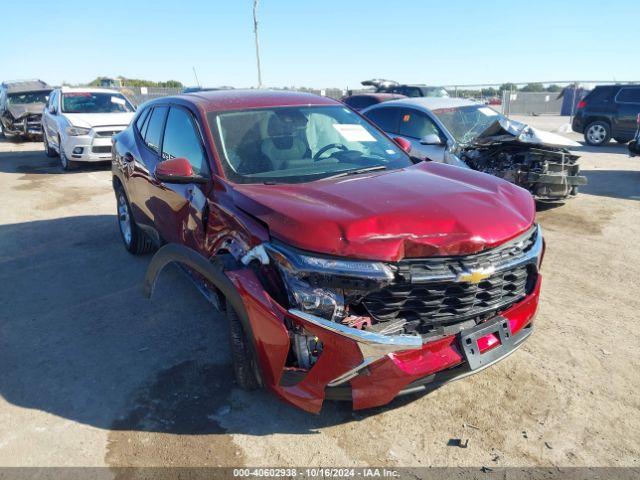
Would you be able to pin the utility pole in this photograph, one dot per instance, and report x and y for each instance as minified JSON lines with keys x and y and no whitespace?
{"x":255,"y":31}
{"x":196,"y":75}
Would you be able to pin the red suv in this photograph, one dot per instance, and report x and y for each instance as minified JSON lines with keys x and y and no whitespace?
{"x":346,"y":270}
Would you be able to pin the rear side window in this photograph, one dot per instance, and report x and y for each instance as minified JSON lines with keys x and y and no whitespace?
{"x":599,"y":94}
{"x":416,"y":124}
{"x":141,"y":119}
{"x":385,"y":118}
{"x":153,"y":133}
{"x":628,"y":95}
{"x":181,"y":139}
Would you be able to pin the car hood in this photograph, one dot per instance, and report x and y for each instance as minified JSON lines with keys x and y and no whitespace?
{"x":504,"y":129}
{"x":89,"y":120}
{"x":424,"y":210}
{"x":22,"y":110}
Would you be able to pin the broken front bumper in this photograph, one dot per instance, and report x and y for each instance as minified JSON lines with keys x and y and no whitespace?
{"x":368,"y":369}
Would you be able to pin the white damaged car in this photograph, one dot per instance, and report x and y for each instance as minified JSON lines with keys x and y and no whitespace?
{"x":78,"y":124}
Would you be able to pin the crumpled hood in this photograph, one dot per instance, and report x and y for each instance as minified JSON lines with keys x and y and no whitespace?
{"x":22,"y":110}
{"x":424,"y":210}
{"x":510,"y":130}
{"x":90,"y":120}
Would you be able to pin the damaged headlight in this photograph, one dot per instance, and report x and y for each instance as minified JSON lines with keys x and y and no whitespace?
{"x":303,"y":276}
{"x":77,"y":131}
{"x":322,"y":302}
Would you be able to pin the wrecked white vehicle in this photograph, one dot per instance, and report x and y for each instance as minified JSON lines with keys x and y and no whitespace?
{"x":21,"y":105}
{"x":471,"y":135}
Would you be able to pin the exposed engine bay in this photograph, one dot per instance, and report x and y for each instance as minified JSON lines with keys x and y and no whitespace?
{"x":526,"y":157}
{"x":549,"y":173}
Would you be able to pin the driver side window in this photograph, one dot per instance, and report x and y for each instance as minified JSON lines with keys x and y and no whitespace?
{"x":414,"y":124}
{"x":181,"y":140}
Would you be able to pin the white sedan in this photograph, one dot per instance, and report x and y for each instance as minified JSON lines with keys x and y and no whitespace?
{"x":78,"y":124}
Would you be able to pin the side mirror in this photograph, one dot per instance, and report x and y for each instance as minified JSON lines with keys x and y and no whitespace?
{"x":403,"y":143}
{"x":431,"y":139}
{"x":177,"y":170}
{"x":52,"y":110}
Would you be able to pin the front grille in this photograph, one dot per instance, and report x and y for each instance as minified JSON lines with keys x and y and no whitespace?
{"x":107,"y":133}
{"x":427,"y":295}
{"x":425,"y":306}
{"x":105,"y":149}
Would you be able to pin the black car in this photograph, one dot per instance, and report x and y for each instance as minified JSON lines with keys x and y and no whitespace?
{"x":608,"y":111}
{"x":21,"y":105}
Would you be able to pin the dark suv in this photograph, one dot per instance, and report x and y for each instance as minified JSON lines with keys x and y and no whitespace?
{"x":608,"y":111}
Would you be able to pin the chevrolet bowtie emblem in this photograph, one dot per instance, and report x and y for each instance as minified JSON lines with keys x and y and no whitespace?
{"x":475,"y":275}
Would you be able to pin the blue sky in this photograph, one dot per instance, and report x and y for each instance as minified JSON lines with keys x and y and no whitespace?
{"x":321,"y":43}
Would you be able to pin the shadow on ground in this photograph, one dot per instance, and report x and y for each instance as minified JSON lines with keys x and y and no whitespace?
{"x":78,"y":340}
{"x":612,"y":183}
{"x":32,"y":160}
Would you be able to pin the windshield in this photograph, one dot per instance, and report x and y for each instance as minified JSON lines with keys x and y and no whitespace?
{"x":466,"y":123}
{"x":92,"y":102}
{"x":24,"y":98}
{"x":300,"y":144}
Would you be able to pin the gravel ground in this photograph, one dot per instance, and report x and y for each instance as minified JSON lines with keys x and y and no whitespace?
{"x":94,"y":374}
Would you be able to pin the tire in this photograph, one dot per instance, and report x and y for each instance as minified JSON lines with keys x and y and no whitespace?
{"x":48,"y":151}
{"x":65,"y":163}
{"x":133,"y":238}
{"x":245,"y":365}
{"x":597,"y":133}
{"x":621,"y":140}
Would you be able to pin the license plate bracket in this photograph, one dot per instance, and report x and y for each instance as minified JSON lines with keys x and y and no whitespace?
{"x":469,"y":342}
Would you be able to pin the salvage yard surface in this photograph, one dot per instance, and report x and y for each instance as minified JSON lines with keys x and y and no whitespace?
{"x":92,"y":373}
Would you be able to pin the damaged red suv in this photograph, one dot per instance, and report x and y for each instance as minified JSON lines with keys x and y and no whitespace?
{"x":347,"y":271}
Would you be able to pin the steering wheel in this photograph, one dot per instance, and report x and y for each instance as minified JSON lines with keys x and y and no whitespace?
{"x":326,"y":148}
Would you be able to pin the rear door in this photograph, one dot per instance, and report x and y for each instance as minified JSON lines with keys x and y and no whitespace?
{"x":180,"y":210}
{"x":628,"y":105}
{"x":140,"y":165}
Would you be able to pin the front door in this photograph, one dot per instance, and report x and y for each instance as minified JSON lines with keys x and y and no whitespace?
{"x":180,"y":210}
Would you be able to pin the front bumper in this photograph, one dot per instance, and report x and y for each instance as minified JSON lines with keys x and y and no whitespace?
{"x":94,"y":147}
{"x":344,"y":370}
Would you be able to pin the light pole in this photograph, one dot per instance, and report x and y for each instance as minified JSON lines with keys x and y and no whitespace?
{"x":255,"y":31}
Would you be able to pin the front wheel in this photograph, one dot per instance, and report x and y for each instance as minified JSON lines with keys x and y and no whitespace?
{"x":48,"y":151}
{"x":245,"y":364}
{"x":134,"y":239}
{"x":65,"y":163}
{"x":597,"y":133}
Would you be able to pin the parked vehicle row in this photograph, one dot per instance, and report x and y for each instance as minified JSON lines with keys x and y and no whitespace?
{"x":347,"y":269}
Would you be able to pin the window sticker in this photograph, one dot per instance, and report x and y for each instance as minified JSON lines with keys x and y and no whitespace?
{"x":488,"y":111}
{"x":406,"y":118}
{"x":118,"y":101}
{"x":352,"y":132}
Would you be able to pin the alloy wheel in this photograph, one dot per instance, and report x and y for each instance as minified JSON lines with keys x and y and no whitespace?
{"x":124,"y":219}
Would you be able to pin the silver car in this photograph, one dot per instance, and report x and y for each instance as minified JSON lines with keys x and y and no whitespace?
{"x":472,"y":135}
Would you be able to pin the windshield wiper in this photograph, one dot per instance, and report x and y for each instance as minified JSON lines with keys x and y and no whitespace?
{"x":357,"y":171}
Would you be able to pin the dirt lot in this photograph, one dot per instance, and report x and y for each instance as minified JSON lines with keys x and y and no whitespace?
{"x":91,"y":373}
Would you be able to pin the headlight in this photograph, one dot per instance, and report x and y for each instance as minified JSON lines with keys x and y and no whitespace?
{"x":323,"y":302}
{"x":303,"y":275}
{"x":301,"y":262}
{"x":77,"y":131}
